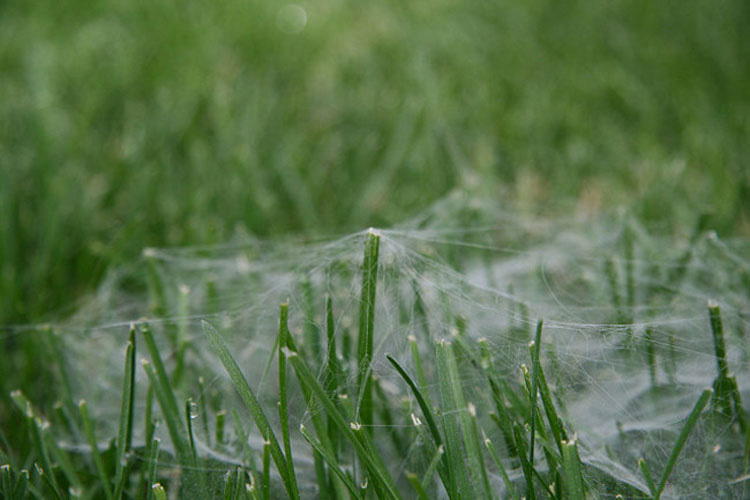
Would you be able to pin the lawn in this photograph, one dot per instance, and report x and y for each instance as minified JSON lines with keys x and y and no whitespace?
{"x":251,"y":137}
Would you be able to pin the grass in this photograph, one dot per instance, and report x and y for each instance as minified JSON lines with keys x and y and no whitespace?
{"x":453,"y":431}
{"x":125,"y":127}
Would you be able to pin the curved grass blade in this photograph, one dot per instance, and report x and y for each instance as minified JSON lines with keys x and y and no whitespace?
{"x":330,"y":460}
{"x":252,"y":404}
{"x":351,"y":430}
{"x":681,"y":439}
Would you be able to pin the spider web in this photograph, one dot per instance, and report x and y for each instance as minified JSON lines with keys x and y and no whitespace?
{"x":626,"y":345}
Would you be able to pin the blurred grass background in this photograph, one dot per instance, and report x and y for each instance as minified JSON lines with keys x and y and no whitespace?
{"x":126,"y":124}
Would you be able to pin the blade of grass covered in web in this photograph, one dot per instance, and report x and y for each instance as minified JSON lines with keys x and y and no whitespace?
{"x":330,"y":460}
{"x":366,"y":328}
{"x":681,"y":439}
{"x":503,"y":472}
{"x":174,"y":422}
{"x":351,"y":430}
{"x":324,"y":430}
{"x":163,"y":389}
{"x":555,"y":422}
{"x":334,"y":375}
{"x":726,"y":391}
{"x":431,"y":422}
{"x":125,"y":433}
{"x":461,"y":483}
{"x":466,"y":416}
{"x":283,"y":410}
{"x":534,"y":387}
{"x":646,"y":472}
{"x":159,"y":380}
{"x":571,"y":464}
{"x":529,"y":471}
{"x":253,"y":406}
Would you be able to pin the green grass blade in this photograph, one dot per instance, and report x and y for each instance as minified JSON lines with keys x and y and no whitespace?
{"x":467,"y":418}
{"x":682,"y":438}
{"x":351,"y":430}
{"x":647,"y":476}
{"x":461,"y":485}
{"x":421,"y":401}
{"x":252,"y":404}
{"x":283,"y":410}
{"x":535,"y":387}
{"x":442,"y":465}
{"x":366,"y":328}
{"x":88,"y":427}
{"x":48,"y":481}
{"x":503,"y":472}
{"x":174,"y":422}
{"x":527,"y":468}
{"x":43,"y":446}
{"x":266,"y":484}
{"x":571,"y":465}
{"x":164,"y":394}
{"x":124,"y":437}
{"x":153,"y":464}
{"x":219,"y":426}
{"x":432,"y":466}
{"x":330,"y":460}
{"x":159,"y":492}
{"x":414,"y":480}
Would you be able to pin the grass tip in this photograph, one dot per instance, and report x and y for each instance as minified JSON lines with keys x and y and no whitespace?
{"x":149,"y":252}
{"x":411,"y":338}
{"x":472,"y":409}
